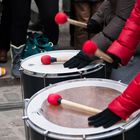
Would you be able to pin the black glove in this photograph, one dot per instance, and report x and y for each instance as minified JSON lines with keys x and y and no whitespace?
{"x":93,"y":26}
{"x":110,"y":66}
{"x":78,"y":61}
{"x":106,"y":119}
{"x":116,"y":61}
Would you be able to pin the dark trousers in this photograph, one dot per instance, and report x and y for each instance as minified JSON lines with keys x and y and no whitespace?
{"x":16,"y":16}
{"x":14,"y":22}
{"x":47,"y":10}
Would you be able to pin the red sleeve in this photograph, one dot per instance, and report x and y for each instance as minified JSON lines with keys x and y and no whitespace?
{"x":129,"y":101}
{"x":125,"y":46}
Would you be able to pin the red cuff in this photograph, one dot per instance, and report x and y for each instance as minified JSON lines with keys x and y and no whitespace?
{"x":121,"y":52}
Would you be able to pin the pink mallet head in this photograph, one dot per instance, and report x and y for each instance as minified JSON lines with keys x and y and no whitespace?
{"x":89,"y":48}
{"x":46,"y":59}
{"x":53,"y":99}
{"x":61,"y":18}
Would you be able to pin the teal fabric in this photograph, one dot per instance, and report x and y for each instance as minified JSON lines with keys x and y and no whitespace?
{"x":36,"y":43}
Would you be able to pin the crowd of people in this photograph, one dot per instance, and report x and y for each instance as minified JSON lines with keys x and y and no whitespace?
{"x":112,"y":26}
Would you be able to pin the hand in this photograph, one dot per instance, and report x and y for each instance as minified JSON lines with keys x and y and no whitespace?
{"x":93,"y":26}
{"x":78,"y":61}
{"x":106,"y":119}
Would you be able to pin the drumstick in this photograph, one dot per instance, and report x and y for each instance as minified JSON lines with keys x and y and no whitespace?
{"x":90,"y":48}
{"x":62,"y":18}
{"x":47,"y":59}
{"x":56,"y":99}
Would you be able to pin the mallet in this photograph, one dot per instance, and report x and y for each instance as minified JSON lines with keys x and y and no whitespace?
{"x":62,"y":18}
{"x":90,"y":48}
{"x":47,"y":59}
{"x":56,"y":99}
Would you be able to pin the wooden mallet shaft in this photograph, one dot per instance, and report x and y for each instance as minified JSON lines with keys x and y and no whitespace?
{"x":58,"y":59}
{"x":56,"y":99}
{"x":103,"y":56}
{"x":62,"y":18}
{"x":77,"y":23}
{"x":81,"y":107}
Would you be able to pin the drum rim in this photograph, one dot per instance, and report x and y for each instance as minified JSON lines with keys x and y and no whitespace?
{"x":86,"y":70}
{"x":90,"y":135}
{"x":82,"y":73}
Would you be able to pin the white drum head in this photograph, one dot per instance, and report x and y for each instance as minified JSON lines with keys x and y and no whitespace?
{"x":33,"y":63}
{"x":38,"y":122}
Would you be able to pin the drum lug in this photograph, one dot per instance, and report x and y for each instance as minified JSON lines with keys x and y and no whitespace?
{"x":84,"y":137}
{"x":25,"y":117}
{"x":81,"y":74}
{"x":119,"y":81}
{"x":123,"y":132}
{"x":20,"y":69}
{"x":26,"y":102}
{"x":45,"y":133}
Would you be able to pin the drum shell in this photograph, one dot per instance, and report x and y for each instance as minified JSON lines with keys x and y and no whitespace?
{"x":31,"y":83}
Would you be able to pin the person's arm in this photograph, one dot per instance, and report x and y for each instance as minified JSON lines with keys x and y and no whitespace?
{"x":95,"y":23}
{"x":112,"y":30}
{"x":129,"y":101}
{"x":125,"y":46}
{"x":98,"y":16}
{"x":121,"y":107}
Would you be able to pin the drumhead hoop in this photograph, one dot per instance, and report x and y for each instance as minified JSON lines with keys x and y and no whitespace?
{"x":45,"y":127}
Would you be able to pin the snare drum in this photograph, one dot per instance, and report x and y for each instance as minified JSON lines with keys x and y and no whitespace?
{"x":47,"y":122}
{"x":35,"y":75}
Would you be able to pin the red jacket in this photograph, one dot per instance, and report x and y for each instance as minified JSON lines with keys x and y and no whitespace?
{"x":129,"y":101}
{"x":125,"y":46}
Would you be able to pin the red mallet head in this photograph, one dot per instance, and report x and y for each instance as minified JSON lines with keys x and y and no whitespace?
{"x":54,"y":99}
{"x":89,"y":48}
{"x":47,"y":59}
{"x":61,"y":18}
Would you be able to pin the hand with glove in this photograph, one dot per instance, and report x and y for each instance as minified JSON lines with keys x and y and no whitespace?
{"x":78,"y":61}
{"x":121,"y":107}
{"x":106,"y":119}
{"x":84,"y":57}
{"x":93,"y":26}
{"x":89,"y":53}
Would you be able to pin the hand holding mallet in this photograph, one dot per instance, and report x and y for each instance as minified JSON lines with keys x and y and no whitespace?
{"x":90,"y":48}
{"x":56,"y":99}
